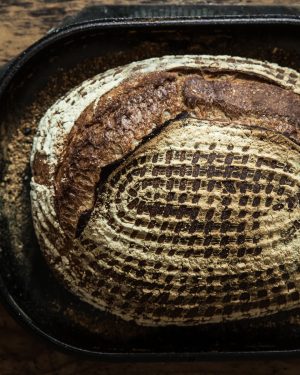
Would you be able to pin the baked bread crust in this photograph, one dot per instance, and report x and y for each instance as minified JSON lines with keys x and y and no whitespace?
{"x":167,"y":191}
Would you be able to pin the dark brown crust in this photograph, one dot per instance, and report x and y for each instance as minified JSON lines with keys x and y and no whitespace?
{"x":40,"y":169}
{"x":240,"y":97}
{"x":130,"y":112}
{"x":122,"y":117}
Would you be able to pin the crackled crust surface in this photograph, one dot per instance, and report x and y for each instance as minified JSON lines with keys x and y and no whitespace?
{"x":167,"y":191}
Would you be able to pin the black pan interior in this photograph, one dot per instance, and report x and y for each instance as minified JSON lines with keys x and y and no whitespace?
{"x":25,"y":275}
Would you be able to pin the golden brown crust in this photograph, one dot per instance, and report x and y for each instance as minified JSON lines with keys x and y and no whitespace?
{"x":130,"y":112}
{"x":174,"y":195}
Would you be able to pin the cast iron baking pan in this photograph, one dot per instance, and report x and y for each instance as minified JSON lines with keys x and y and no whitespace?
{"x":101,"y":38}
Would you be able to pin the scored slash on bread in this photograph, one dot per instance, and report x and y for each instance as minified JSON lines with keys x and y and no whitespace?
{"x":167,"y":191}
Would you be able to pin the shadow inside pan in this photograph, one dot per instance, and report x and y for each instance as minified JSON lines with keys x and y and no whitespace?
{"x":26,"y":277}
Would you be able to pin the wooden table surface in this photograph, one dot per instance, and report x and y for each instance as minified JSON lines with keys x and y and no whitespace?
{"x":21,"y":23}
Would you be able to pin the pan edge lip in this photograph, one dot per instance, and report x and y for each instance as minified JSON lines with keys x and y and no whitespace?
{"x":57,"y":35}
{"x":16,"y":312}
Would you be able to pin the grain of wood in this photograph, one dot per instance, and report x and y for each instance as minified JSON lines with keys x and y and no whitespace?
{"x":22,"y":22}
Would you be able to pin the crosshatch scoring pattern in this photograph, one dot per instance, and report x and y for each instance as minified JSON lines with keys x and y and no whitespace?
{"x":190,"y":213}
{"x":192,"y":226}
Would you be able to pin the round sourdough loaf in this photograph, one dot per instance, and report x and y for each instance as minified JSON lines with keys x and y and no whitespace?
{"x":167,"y":191}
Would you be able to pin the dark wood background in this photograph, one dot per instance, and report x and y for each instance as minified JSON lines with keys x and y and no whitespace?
{"x":21,"y":23}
